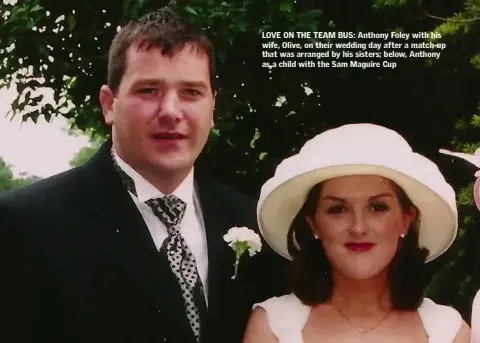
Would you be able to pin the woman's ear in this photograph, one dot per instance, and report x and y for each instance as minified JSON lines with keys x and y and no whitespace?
{"x":408,"y":217}
{"x":312,"y":225}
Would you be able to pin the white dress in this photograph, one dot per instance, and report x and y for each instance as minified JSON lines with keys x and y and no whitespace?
{"x":475,"y":323}
{"x":287,"y":317}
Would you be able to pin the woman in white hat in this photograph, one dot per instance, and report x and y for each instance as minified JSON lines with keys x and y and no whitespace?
{"x":475,"y":160}
{"x":359,"y":214}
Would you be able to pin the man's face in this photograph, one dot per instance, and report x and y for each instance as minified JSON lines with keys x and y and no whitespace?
{"x":162,"y":113}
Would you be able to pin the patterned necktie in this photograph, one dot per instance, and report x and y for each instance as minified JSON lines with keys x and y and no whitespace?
{"x":170,"y":210}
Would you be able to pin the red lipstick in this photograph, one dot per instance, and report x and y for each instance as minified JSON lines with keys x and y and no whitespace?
{"x":359,"y":246}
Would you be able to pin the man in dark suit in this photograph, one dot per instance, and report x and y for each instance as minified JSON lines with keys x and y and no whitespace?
{"x":129,"y":247}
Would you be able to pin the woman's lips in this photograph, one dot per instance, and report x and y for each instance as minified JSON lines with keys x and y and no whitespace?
{"x":359,"y":247}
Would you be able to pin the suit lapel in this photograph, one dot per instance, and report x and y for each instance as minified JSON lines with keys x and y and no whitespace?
{"x":224,"y":293}
{"x":123,"y":232}
{"x":220,"y":256}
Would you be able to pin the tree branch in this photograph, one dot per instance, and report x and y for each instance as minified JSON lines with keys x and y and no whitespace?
{"x":425,"y":12}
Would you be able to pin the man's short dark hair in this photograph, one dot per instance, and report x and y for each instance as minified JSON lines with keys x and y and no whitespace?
{"x":163,"y":29}
{"x":311,"y":270}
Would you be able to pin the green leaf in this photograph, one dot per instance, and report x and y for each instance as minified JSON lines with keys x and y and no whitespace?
{"x":215,"y":14}
{"x":465,"y":196}
{"x":314,"y":13}
{"x":378,"y":4}
{"x":17,"y":10}
{"x":286,"y":6}
{"x":71,"y":82}
{"x":242,"y":27}
{"x":476,"y":120}
{"x":448,"y":28}
{"x":255,"y":137}
{"x":475,"y":60}
{"x":71,"y":22}
{"x":36,"y":8}
{"x":127,"y":4}
{"x":461,"y":124}
{"x":189,"y":9}
{"x":42,"y":49}
{"x":470,"y":148}
{"x":141,"y":3}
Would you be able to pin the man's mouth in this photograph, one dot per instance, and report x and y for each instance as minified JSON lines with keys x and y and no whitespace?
{"x":168,"y":135}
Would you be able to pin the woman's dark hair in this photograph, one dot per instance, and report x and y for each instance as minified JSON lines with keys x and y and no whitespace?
{"x":311,"y":275}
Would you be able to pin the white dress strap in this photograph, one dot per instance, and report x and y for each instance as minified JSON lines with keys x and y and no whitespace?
{"x":475,"y":322}
{"x":442,"y":323}
{"x":286,"y":316}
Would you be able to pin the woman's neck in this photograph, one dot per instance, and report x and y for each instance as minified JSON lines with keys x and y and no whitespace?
{"x":361,"y":297}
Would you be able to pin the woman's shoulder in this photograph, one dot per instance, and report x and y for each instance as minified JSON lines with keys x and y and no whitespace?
{"x":475,"y":321}
{"x":440,"y":320}
{"x":289,"y":299}
{"x":430,"y":308}
{"x":285,"y":314}
{"x":476,"y":303}
{"x":285,"y":305}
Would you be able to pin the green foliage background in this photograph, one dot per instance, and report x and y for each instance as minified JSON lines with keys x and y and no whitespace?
{"x":9,"y":182}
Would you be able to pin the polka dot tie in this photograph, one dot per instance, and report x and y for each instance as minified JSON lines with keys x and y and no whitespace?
{"x":170,"y":210}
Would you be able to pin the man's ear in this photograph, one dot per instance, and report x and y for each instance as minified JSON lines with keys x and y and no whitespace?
{"x":107,"y":99}
{"x":212,"y":124}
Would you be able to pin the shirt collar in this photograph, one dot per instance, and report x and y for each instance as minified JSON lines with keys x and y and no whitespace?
{"x":145,"y":190}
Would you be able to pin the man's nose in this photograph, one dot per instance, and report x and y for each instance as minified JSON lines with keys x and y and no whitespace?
{"x":169,"y":106}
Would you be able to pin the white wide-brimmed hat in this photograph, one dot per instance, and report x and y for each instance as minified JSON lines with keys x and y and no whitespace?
{"x":359,"y":149}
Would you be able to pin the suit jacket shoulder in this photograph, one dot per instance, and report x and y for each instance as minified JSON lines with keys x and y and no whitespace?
{"x":236,"y":203}
{"x":42,"y":193}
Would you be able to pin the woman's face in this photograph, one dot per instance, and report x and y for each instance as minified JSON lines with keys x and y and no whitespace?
{"x":359,"y":221}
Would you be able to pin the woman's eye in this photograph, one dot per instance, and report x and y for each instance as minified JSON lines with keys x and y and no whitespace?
{"x":380,"y":207}
{"x":336,"y":209}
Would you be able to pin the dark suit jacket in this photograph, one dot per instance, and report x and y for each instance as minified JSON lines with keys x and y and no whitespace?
{"x":78,"y":264}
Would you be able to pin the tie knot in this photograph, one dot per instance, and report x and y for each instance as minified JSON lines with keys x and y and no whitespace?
{"x":169,"y":209}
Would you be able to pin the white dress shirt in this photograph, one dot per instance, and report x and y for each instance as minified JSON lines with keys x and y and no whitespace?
{"x":192,"y":226}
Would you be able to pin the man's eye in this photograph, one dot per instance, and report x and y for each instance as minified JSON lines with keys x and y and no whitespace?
{"x":192,"y":92}
{"x":147,"y":90}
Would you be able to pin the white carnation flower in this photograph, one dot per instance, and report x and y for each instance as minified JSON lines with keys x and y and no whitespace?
{"x":242,"y":239}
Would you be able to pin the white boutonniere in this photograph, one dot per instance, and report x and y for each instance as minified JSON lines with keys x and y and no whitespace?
{"x":242,"y":239}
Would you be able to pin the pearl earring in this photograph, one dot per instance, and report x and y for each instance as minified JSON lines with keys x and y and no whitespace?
{"x":402,"y":235}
